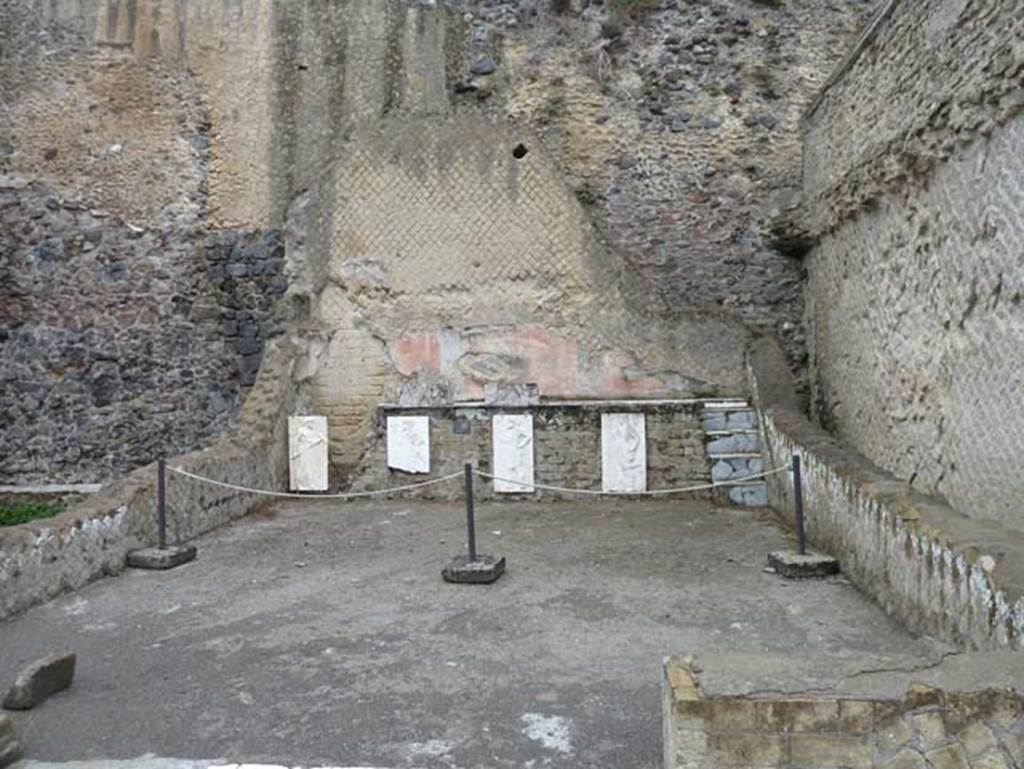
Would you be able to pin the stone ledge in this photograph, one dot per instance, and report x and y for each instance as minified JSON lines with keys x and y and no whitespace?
{"x":44,"y":558}
{"x":929,"y":566}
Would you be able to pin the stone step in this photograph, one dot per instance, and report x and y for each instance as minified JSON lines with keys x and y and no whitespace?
{"x":745,"y":419}
{"x":735,"y":443}
{"x":730,"y":469}
{"x":753,"y":494}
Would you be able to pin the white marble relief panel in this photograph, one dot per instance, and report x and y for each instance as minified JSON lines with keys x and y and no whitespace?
{"x":307,"y":453}
{"x":409,"y":444}
{"x":623,"y":452}
{"x":513,"y":452}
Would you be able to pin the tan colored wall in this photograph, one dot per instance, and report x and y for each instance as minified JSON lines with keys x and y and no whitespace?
{"x":448,"y":262}
{"x":913,"y":176}
{"x":938,"y":720}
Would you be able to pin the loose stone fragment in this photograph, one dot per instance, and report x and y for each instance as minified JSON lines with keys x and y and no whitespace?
{"x":39,"y":680}
{"x":10,"y":750}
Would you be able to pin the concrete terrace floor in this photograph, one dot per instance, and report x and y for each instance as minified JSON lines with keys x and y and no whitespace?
{"x":320,"y":633}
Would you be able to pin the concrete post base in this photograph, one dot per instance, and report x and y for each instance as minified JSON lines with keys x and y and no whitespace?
{"x":792,"y":565}
{"x":155,"y":558}
{"x":484,"y":570}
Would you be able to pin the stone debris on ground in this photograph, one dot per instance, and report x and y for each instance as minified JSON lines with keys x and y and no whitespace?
{"x":41,"y":679}
{"x":10,"y":750}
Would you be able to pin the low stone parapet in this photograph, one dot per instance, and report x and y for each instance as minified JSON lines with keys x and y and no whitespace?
{"x":932,"y":568}
{"x":44,"y":558}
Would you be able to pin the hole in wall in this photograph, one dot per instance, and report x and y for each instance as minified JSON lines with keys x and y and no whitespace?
{"x":519,"y":151}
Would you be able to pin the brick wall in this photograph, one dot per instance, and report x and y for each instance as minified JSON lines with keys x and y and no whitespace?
{"x":567,"y":448}
{"x":913,"y":300}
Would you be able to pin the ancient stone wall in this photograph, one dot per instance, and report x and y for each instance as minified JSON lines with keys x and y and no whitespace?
{"x":566,"y":444}
{"x":929,"y":566}
{"x":120,"y":344}
{"x":729,"y":711}
{"x":44,"y":558}
{"x":677,"y":126}
{"x":669,"y":128}
{"x":913,"y":169}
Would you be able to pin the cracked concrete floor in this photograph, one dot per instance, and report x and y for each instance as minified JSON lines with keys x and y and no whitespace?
{"x":320,"y":633}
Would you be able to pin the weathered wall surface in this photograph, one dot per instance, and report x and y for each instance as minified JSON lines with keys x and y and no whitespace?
{"x":677,"y":126}
{"x":119,"y":344}
{"x":567,"y":448}
{"x":45,"y":558}
{"x":449,"y":263}
{"x":668,"y":129}
{"x":931,"y":567}
{"x":914,"y":308}
{"x":822,"y":712}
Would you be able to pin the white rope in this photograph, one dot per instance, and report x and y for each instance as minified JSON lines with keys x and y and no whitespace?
{"x":293,"y":495}
{"x":595,"y":492}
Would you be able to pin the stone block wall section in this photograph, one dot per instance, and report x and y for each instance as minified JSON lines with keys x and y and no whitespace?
{"x":567,"y":448}
{"x":117,"y":342}
{"x":42,"y":559}
{"x":926,"y":564}
{"x":934,"y":722}
{"x":914,"y":184}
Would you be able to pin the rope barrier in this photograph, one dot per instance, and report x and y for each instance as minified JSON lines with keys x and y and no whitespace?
{"x":482,"y":474}
{"x":595,"y":492}
{"x":295,"y":495}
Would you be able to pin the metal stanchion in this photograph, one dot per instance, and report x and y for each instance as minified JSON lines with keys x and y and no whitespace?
{"x":474,"y":568}
{"x":161,"y":503}
{"x":801,"y":564}
{"x":470,"y":520}
{"x":798,"y":502}
{"x":162,"y":556}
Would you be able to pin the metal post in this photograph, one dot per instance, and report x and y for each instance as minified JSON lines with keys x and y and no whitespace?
{"x":161,"y":504}
{"x":798,"y":500}
{"x":470,"y":522}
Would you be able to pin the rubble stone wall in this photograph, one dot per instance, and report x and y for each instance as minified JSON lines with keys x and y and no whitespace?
{"x":42,"y":559}
{"x":914,"y":161}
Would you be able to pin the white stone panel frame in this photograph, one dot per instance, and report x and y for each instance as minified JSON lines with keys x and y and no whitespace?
{"x":408,"y":444}
{"x":512,"y":444}
{"x":307,"y":453}
{"x":624,"y":452}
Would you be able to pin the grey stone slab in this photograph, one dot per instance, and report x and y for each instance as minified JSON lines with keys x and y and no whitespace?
{"x":736,"y":443}
{"x":157,"y":559}
{"x":39,"y":680}
{"x":755,"y":495}
{"x":793,"y":565}
{"x":484,"y":570}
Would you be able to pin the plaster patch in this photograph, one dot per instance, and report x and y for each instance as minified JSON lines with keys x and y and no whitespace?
{"x":552,"y":732}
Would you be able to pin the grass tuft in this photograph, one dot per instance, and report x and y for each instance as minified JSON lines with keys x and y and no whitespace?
{"x":23,"y":512}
